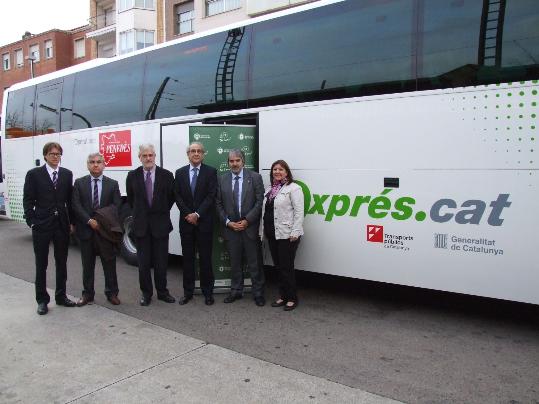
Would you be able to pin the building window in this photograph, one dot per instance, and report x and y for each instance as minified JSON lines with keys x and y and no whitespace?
{"x":126,"y":42}
{"x":19,"y":58}
{"x":48,"y":49}
{"x":128,"y":4}
{"x":185,"y":15}
{"x":220,"y":6}
{"x":135,"y":39}
{"x":34,"y":52}
{"x":79,"y":50}
{"x":5,"y":61}
{"x":144,"y":4}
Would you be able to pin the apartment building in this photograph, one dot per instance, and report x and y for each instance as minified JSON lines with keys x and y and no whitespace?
{"x":35,"y":55}
{"x":124,"y":26}
{"x":185,"y":17}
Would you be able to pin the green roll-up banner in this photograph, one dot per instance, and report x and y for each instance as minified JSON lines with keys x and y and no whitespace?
{"x":218,"y":140}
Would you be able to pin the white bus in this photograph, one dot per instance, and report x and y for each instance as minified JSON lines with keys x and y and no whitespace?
{"x":410,"y":124}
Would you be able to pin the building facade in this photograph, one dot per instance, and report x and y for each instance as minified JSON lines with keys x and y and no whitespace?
{"x":123,"y":26}
{"x":35,"y":55}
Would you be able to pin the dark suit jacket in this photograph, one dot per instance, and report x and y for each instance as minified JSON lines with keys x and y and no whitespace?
{"x":41,"y":200}
{"x":154,"y":219}
{"x":252,"y":198}
{"x":82,"y":202}
{"x":204,"y":200}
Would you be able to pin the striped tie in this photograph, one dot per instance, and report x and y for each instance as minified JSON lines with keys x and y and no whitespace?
{"x":54,"y":179}
{"x":96,"y":195}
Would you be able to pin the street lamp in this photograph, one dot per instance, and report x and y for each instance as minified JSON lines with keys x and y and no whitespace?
{"x":31,"y":59}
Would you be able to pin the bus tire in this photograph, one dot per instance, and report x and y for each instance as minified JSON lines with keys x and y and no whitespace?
{"x":128,"y":249}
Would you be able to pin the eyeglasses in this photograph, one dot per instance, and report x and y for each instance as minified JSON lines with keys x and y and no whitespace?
{"x":95,"y":162}
{"x":54,"y":154}
{"x":196,"y":151}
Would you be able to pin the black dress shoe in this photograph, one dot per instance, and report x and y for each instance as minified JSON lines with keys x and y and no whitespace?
{"x":260,"y":301}
{"x":166,"y":298}
{"x":145,"y":301}
{"x":184,"y":299}
{"x":65,"y":302}
{"x":209,"y":300}
{"x":42,"y":309}
{"x":232,"y":298}
{"x":278,"y":303}
{"x":290,"y":307}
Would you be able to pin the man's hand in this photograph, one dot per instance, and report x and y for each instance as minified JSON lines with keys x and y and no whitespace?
{"x":238,"y":226}
{"x":71,"y":229}
{"x":93,"y":224}
{"x":192,"y":218}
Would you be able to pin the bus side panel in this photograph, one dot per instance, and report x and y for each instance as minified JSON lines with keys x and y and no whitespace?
{"x":464,"y":215}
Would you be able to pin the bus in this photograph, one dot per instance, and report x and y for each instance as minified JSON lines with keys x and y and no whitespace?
{"x":411,"y":126}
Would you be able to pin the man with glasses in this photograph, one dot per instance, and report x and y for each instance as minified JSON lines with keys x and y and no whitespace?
{"x":150,"y":195}
{"x":92,"y":193}
{"x":195,"y":187}
{"x":47,"y":209}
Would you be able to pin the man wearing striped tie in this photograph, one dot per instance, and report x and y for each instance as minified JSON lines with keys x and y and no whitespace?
{"x":47,"y":209}
{"x":91,"y":193}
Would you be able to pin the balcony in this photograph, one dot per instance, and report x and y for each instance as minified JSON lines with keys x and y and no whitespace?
{"x":104,"y":26}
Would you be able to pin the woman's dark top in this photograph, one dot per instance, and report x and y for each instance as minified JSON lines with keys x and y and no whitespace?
{"x":269,"y":225}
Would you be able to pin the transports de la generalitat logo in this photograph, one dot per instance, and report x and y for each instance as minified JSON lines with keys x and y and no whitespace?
{"x":375,"y":234}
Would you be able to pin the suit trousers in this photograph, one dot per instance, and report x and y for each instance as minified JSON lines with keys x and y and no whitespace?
{"x":283,"y":254}
{"x":152,"y":252}
{"x":89,"y":249}
{"x":41,"y":241}
{"x":203,"y":242}
{"x":240,"y":245}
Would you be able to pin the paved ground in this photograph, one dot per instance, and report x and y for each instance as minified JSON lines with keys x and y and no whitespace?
{"x":406,"y":344}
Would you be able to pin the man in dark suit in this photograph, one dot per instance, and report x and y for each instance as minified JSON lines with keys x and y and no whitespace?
{"x":240,"y":195}
{"x":195,"y":187}
{"x":90,"y":193}
{"x":150,"y":195}
{"x":47,"y":209}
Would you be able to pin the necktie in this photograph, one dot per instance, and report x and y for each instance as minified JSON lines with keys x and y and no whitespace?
{"x":149,"y":187}
{"x":54,"y":179}
{"x":194,"y":181}
{"x":236,"y":195}
{"x":96,"y":195}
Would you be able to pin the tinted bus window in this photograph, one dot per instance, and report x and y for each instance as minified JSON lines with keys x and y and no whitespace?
{"x":181,"y":79}
{"x":109,"y":94}
{"x":347,"y":45}
{"x":66,"y":105}
{"x":20,"y":113}
{"x":521,"y":34}
{"x":47,"y":107}
{"x":450,"y":41}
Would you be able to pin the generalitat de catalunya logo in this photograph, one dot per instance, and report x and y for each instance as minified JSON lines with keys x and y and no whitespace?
{"x":375,"y":234}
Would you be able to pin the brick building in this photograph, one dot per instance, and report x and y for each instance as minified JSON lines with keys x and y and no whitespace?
{"x":51,"y":50}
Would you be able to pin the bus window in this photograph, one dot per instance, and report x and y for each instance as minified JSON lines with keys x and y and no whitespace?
{"x":353,"y":45}
{"x":47,"y":104}
{"x":450,"y":41}
{"x":109,"y":94}
{"x":521,"y":34}
{"x":66,"y":105}
{"x":181,"y":79}
{"x":20,"y":113}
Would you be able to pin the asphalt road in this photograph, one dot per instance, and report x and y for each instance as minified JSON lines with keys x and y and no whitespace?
{"x":403,"y":343}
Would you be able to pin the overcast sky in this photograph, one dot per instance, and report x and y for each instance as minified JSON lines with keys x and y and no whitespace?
{"x":36,"y":16}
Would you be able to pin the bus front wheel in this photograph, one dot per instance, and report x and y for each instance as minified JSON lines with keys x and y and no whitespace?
{"x":128,"y":249}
